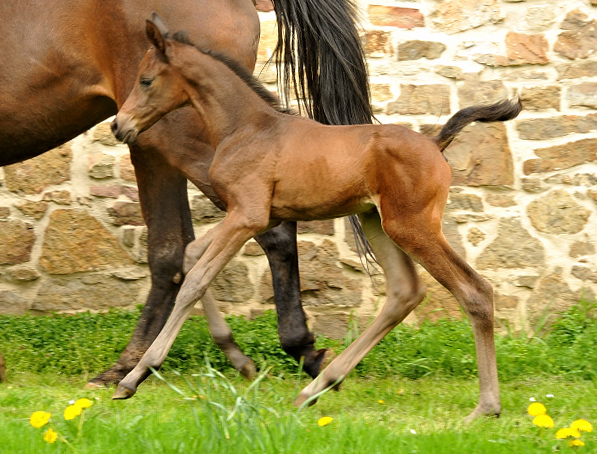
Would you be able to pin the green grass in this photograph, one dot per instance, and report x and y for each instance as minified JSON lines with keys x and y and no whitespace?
{"x":425,"y":376}
{"x":89,"y":343}
{"x":160,"y":420}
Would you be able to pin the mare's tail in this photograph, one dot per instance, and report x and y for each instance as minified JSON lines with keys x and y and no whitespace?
{"x":319,"y":53}
{"x":323,"y":59}
{"x":500,"y":111}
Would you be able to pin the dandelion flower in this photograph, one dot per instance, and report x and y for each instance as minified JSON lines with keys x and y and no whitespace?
{"x":83,"y":403}
{"x":325,"y":421}
{"x":582,"y":425}
{"x":380,"y":401}
{"x":39,"y":418}
{"x":72,"y":411}
{"x":50,"y":436}
{"x":567,"y":432}
{"x":544,"y":421}
{"x":576,"y":442}
{"x":536,"y":409}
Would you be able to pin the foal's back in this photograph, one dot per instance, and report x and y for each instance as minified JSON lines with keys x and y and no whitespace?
{"x":331,"y":171}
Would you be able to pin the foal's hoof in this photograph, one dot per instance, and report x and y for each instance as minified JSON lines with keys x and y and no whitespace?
{"x":122,"y":392}
{"x":302,"y":398}
{"x":248,"y":370}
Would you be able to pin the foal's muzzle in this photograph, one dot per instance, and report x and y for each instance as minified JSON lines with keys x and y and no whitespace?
{"x":123,"y":130}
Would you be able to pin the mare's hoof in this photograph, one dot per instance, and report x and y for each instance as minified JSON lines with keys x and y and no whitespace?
{"x":122,"y":392}
{"x":248,"y":370}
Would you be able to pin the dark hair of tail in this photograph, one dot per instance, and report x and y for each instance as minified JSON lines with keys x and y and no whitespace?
{"x":501,"y":111}
{"x":319,"y":53}
{"x":323,"y":59}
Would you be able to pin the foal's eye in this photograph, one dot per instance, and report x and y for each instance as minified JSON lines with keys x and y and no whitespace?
{"x":145,"y":82}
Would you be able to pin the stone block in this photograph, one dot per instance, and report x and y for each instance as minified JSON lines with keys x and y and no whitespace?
{"x":480,"y":156}
{"x":580,"y":38}
{"x":453,"y":16}
{"x":395,"y":16}
{"x":560,"y":157}
{"x":126,"y":213}
{"x":417,"y":49}
{"x":541,"y":98}
{"x":36,"y":174}
{"x":582,"y":95}
{"x":431,"y":99}
{"x":557,"y":213}
{"x":513,"y":248}
{"x":75,"y":241}
{"x":377,"y":43}
{"x":17,"y":239}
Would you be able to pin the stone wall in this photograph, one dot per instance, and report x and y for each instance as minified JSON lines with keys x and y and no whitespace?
{"x":522,"y":209}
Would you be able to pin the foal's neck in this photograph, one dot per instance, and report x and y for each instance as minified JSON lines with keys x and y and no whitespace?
{"x":225,"y":102}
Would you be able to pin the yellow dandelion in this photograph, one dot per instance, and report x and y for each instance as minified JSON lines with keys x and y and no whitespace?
{"x":582,"y":425}
{"x":83,"y":403}
{"x":39,"y":418}
{"x":544,"y":421}
{"x":72,"y":411}
{"x":325,"y":421}
{"x":380,"y":401}
{"x":536,"y":409}
{"x":567,"y":432}
{"x":576,"y":442}
{"x":50,"y":436}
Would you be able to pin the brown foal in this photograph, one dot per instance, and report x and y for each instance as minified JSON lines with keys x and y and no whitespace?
{"x":271,"y":167}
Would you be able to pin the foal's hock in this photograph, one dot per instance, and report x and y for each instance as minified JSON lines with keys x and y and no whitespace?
{"x":271,"y":167}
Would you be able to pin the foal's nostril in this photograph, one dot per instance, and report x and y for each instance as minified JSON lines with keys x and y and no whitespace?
{"x":114,"y":126}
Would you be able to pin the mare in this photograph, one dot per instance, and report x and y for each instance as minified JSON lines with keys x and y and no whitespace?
{"x":271,"y":167}
{"x":65,"y":66}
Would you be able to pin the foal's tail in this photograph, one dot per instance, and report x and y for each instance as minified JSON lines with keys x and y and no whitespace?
{"x":501,"y":111}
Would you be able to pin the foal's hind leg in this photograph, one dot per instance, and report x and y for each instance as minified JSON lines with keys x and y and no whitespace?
{"x":235,"y":231}
{"x":218,"y":328}
{"x":404,"y":292}
{"x":426,"y":244}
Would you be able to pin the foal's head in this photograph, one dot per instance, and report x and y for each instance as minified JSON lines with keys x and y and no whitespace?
{"x":159,"y":87}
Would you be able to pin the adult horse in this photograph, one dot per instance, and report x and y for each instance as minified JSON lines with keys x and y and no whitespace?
{"x":65,"y":66}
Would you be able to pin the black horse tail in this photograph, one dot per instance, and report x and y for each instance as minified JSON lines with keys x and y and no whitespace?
{"x":319,"y":53}
{"x":501,"y":111}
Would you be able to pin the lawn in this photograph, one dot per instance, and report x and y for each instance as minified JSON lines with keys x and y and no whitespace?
{"x":221,"y":415}
{"x":409,"y":395}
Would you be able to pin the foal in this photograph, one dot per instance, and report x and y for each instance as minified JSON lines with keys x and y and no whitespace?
{"x":270,"y":167}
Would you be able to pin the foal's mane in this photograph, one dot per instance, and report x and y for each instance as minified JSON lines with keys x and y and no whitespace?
{"x":248,"y":78}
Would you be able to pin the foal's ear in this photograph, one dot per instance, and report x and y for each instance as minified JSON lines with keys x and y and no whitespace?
{"x":156,"y":37}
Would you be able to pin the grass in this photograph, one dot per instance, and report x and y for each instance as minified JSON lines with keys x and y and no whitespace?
{"x":261,"y":419}
{"x":420,"y":379}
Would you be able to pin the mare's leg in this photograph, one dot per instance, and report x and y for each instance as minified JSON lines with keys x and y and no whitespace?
{"x":218,"y":328}
{"x":404,"y":292}
{"x":280,"y":247}
{"x":424,"y":241}
{"x":164,"y":202}
{"x":235,"y":231}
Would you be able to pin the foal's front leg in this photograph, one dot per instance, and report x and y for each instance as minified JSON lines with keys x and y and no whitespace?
{"x":218,"y":328}
{"x":234,"y":233}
